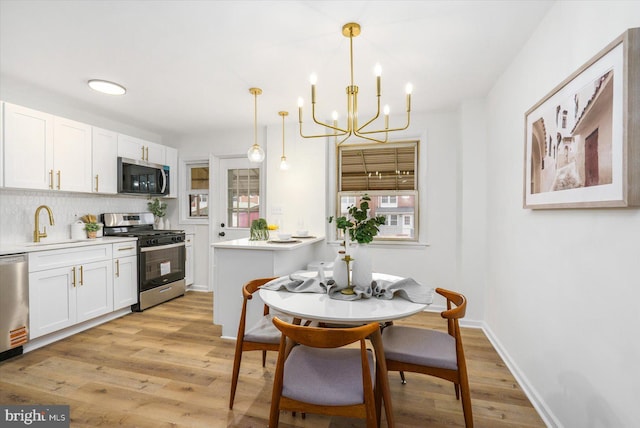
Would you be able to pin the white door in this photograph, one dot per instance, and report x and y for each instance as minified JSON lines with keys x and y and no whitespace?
{"x":239,"y":191}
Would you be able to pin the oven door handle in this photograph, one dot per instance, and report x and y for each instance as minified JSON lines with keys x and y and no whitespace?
{"x":161,"y":247}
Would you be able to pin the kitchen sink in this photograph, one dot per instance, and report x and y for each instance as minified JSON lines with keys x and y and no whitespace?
{"x":63,"y":242}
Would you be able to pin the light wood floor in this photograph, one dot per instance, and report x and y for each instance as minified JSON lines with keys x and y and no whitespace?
{"x":168,"y":367}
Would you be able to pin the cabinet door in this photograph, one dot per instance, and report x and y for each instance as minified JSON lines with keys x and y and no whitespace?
{"x":171,"y":159}
{"x":52,"y":301}
{"x":72,"y":155}
{"x":188,"y":262}
{"x":130,"y":147}
{"x":28,"y":148}
{"x":104,"y":161}
{"x":94,"y":290}
{"x":155,"y":153}
{"x":125,"y":282}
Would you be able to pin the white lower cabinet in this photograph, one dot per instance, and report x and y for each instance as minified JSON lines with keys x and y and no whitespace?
{"x":125,"y":275}
{"x":73,"y":285}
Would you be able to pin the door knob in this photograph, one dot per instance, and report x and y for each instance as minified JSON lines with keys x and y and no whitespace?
{"x":221,"y":224}
{"x":221,"y":234}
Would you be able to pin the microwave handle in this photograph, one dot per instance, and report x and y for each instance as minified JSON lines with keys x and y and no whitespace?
{"x":164,"y":181}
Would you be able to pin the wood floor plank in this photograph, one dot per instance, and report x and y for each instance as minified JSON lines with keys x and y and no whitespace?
{"x":168,"y":367}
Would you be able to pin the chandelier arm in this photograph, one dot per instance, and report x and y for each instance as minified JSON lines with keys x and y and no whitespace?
{"x":321,"y":135}
{"x":386,"y":130}
{"x":344,"y":139}
{"x":374,"y":140}
{"x":335,"y":128}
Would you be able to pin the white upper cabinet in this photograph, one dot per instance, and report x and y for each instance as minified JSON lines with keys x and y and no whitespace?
{"x":28,"y":148}
{"x":105,"y":161}
{"x":43,"y":151}
{"x":172,"y":162}
{"x":139,"y":149}
{"x":72,"y":155}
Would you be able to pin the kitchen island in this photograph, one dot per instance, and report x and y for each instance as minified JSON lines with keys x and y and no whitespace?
{"x":241,"y":260}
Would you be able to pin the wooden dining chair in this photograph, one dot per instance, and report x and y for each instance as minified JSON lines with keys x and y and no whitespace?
{"x":261,"y":337}
{"x":431,"y":352}
{"x":315,"y":373}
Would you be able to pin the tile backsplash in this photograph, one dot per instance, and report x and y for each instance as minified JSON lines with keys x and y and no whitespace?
{"x":18,"y":207}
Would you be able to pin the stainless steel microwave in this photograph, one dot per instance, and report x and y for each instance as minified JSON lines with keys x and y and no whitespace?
{"x":138,"y":177}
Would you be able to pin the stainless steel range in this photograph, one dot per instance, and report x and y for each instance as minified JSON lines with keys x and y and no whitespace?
{"x":161,"y":257}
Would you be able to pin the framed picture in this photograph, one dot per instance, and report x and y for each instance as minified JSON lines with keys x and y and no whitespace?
{"x":582,"y":141}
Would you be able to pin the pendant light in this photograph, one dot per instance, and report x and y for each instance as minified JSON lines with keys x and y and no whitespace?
{"x":284,"y":165}
{"x":255,"y":152}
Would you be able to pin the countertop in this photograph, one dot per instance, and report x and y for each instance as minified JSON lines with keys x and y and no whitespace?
{"x":270,"y":245}
{"x":44,"y":245}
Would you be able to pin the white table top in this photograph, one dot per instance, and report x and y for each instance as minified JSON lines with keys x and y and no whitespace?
{"x":270,"y":245}
{"x":320,"y":307}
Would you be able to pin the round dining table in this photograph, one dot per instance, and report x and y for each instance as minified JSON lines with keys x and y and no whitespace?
{"x":321,"y":307}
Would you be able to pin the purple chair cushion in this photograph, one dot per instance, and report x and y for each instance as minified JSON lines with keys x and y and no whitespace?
{"x":330,"y":377}
{"x":420,"y":346}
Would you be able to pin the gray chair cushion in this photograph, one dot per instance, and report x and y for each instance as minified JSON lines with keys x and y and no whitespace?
{"x":330,"y":377}
{"x":264,"y":331}
{"x":419,"y":346}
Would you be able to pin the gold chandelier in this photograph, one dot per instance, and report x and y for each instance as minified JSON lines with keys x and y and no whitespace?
{"x":353,"y":128}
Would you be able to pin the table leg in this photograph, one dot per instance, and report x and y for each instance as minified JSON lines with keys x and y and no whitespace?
{"x":376,"y":340}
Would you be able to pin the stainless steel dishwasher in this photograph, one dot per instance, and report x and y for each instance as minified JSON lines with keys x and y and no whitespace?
{"x":14,"y":304}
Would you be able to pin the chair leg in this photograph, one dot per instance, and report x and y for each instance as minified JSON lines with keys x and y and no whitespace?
{"x":456,"y":388}
{"x":234,"y":377}
{"x":404,"y":381}
{"x":264,"y":358}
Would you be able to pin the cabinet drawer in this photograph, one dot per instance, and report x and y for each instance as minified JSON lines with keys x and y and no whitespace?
{"x":51,"y":259}
{"x":124,"y":249}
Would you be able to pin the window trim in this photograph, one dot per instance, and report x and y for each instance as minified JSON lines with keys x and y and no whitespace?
{"x":183,"y":198}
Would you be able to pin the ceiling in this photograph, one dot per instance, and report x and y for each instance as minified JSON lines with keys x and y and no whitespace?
{"x":188,"y":65}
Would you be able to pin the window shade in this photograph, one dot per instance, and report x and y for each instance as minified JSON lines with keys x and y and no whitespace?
{"x":380,"y":167}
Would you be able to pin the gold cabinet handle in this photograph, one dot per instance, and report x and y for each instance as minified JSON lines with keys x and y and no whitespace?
{"x":81,"y":276}
{"x":73,"y":271}
{"x":97,"y":181}
{"x":50,"y":179}
{"x":118,"y":268}
{"x":58,"y":179}
{"x":126,"y":248}
{"x":142,"y":152}
{"x":147,"y":149}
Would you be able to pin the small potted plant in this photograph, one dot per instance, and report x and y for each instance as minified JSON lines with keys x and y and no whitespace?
{"x":359,"y":227}
{"x":159,"y":210}
{"x":92,"y":229}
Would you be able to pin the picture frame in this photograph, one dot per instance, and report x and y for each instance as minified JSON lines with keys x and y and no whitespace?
{"x":582,"y":140}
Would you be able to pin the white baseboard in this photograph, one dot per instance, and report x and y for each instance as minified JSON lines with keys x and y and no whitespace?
{"x":197,"y":287}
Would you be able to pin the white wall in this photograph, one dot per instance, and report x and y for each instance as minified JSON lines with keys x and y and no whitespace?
{"x":301,"y":193}
{"x":562,"y":285}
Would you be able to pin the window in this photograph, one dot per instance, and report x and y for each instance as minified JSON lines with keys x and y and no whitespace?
{"x":198,"y":190}
{"x":388,"y":174}
{"x":243,"y":203}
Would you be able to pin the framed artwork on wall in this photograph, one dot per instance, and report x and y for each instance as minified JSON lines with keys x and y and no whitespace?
{"x":582,"y":140}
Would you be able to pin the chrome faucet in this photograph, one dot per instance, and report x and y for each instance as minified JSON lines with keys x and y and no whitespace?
{"x":36,"y":233}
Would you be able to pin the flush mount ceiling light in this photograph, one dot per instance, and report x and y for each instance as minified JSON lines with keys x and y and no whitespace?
{"x":352,"y":30}
{"x":106,"y":87}
{"x":284,"y":165}
{"x":255,"y":152}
